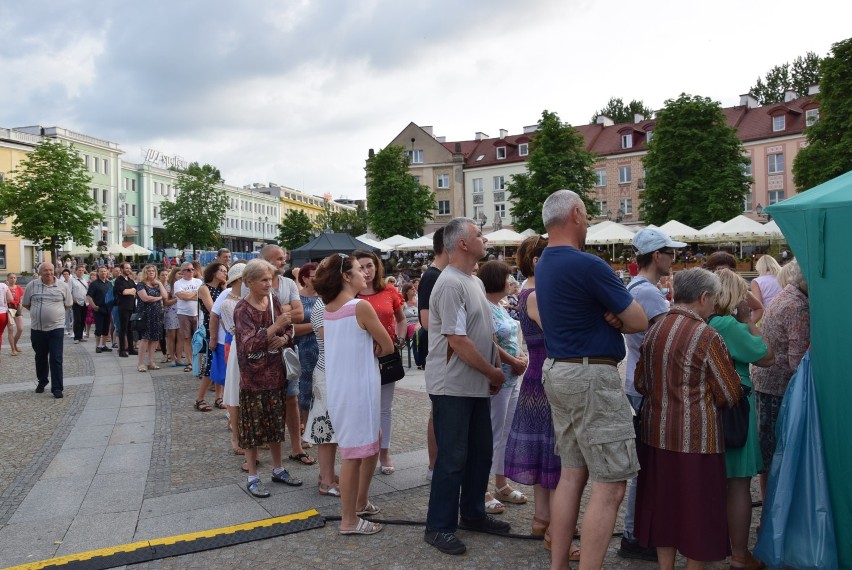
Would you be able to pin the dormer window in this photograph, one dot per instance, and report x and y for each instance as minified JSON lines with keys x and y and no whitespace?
{"x":811,"y":117}
{"x":501,"y":152}
{"x":627,"y":141}
{"x":778,"y":123}
{"x":648,"y":136}
{"x":523,"y":149}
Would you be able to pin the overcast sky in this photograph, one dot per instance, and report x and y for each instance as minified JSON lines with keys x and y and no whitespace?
{"x":296,"y":91}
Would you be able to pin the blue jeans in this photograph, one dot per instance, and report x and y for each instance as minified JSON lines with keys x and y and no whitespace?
{"x":630,"y":512}
{"x":48,"y":356}
{"x":460,"y":479}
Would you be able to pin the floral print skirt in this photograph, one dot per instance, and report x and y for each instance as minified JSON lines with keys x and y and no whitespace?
{"x":262,"y":417}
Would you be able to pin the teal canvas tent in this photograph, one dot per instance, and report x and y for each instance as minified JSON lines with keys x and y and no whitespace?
{"x":818,"y":227}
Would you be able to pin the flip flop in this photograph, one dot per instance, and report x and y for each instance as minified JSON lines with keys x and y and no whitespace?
{"x":302,"y":458}
{"x":363,"y":527}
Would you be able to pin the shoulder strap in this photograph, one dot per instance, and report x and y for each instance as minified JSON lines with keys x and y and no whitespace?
{"x":636,"y":283}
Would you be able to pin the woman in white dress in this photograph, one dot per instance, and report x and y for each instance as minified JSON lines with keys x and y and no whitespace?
{"x":354,"y":337}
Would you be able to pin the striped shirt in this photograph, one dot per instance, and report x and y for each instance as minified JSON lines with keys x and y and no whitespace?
{"x":685,"y":372}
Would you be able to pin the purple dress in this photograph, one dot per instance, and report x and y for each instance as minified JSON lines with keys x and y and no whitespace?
{"x":530,"y":457}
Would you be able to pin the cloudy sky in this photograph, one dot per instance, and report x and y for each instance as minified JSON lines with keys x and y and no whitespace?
{"x":297,"y":91}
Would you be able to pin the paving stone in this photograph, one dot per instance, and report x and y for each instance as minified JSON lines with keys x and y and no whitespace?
{"x":102,"y":530}
{"x":126,"y":458}
{"x":114,"y":493}
{"x":31,"y":541}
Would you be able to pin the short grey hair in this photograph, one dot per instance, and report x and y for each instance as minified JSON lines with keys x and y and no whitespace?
{"x":454,"y":231}
{"x":257,"y":269}
{"x":269,"y":250}
{"x":558,"y":207}
{"x":791,"y":274}
{"x":691,"y":283}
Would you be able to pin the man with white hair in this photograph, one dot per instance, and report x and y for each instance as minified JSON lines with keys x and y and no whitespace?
{"x":47,"y":299}
{"x":584,"y":308}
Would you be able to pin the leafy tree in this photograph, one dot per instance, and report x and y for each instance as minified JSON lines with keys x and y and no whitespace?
{"x":295,"y":231}
{"x":829,"y":150}
{"x":50,"y":199}
{"x":352,"y":222}
{"x":694,"y":166}
{"x":557,"y":161}
{"x":798,"y":76}
{"x":616,"y":110}
{"x":198,"y":210}
{"x":396,"y":202}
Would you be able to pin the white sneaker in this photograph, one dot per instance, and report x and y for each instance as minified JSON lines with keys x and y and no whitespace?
{"x":76,"y":341}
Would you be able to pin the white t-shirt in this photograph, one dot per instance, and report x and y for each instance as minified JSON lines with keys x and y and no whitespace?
{"x":188,"y":308}
{"x":223,"y":308}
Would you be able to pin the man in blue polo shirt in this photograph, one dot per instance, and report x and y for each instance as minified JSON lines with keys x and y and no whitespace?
{"x":584,"y":310}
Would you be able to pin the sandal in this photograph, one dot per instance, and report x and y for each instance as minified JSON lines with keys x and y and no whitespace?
{"x":511,"y":496}
{"x":257,"y":489}
{"x":748,"y":562}
{"x":218,"y":403}
{"x":493,"y":506}
{"x":363,"y":527}
{"x":539,"y":527}
{"x":187,"y":368}
{"x":302,"y":458}
{"x":165,"y":360}
{"x":202,"y":406}
{"x":574,"y":552}
{"x":388,"y":469}
{"x":329,"y":490}
{"x":142,"y":368}
{"x":153,"y":367}
{"x":369,"y":510}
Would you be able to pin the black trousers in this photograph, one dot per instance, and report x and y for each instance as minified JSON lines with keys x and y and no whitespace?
{"x":48,"y":346}
{"x":79,"y":320}
{"x":125,"y":334}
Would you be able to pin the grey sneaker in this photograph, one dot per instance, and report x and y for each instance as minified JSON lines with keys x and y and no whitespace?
{"x":446,"y":542}
{"x":257,"y":489}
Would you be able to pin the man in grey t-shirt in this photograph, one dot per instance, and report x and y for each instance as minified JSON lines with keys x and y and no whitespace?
{"x":462,"y":369}
{"x":48,"y":300}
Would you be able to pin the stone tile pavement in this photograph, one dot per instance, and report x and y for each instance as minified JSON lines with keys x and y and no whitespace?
{"x":124,"y":457}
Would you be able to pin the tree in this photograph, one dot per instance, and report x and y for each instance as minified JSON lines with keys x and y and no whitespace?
{"x":198,"y":209}
{"x":557,"y":161}
{"x":343,"y":221}
{"x":798,"y":76}
{"x":50,"y":199}
{"x":295,"y":231}
{"x":616,"y":110}
{"x":396,"y":202}
{"x":829,"y":150}
{"x":694,"y":166}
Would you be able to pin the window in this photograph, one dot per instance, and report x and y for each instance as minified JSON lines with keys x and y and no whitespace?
{"x":477,"y":185}
{"x":477,"y":213}
{"x":811,"y":117}
{"x":778,"y":123}
{"x":775,"y":162}
{"x":624,"y":174}
{"x":500,"y":210}
{"x":106,"y":196}
{"x":648,"y":136}
{"x":156,"y":212}
{"x":133,"y":185}
{"x":499,"y":196}
{"x":414,"y":156}
{"x":747,"y":203}
{"x":97,"y":164}
{"x":95,"y":194}
{"x":168,"y":190}
{"x":775,"y":196}
{"x":627,"y":206}
{"x":601,"y":208}
{"x":443,"y":181}
{"x":133,"y":209}
{"x":443,"y":207}
{"x":747,"y":168}
{"x":126,"y":184}
{"x":106,"y":166}
{"x":601,"y":174}
{"x":86,"y":161}
{"x":2,"y":257}
{"x":498,"y":183}
{"x":417,"y":179}
{"x":627,"y":141}
{"x":523,"y":149}
{"x":501,"y":152}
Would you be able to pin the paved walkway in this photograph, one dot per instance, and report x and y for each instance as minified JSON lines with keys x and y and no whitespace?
{"x":124,"y":457}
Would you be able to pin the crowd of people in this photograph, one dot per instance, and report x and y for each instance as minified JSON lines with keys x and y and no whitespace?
{"x":523,"y":378}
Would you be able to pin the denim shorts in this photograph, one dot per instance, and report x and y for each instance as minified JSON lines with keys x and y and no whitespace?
{"x":592,"y":419}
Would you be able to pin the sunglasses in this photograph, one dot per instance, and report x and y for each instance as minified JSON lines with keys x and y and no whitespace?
{"x":343,"y":257}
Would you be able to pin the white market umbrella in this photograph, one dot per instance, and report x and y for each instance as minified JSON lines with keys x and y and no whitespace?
{"x":423,"y":243}
{"x":370,"y":242}
{"x":393,"y":242}
{"x":117,"y":248}
{"x":705,"y":233}
{"x":529,"y":232}
{"x":137,"y":249}
{"x":84,"y":250}
{"x":609,"y":233}
{"x":504,"y":237}
{"x":679,"y":231}
{"x":772,"y":230}
{"x":738,"y":230}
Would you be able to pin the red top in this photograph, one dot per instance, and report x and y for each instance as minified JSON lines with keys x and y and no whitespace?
{"x":386,"y":303}
{"x":633,"y":269}
{"x":17,"y":293}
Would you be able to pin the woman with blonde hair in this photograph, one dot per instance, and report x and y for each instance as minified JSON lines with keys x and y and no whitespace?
{"x":765,"y":286}
{"x":738,"y":327}
{"x":354,"y":336}
{"x":150,"y":294}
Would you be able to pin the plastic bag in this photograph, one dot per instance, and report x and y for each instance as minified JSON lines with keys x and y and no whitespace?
{"x":796,"y":526}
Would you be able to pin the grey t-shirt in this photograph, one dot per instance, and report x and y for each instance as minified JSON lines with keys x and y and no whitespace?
{"x":654,"y":304}
{"x":287,"y":291}
{"x":458,"y":307}
{"x":48,"y":304}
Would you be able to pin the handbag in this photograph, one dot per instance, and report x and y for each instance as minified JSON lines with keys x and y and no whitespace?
{"x":137,"y":322}
{"x":292,"y":365}
{"x":12,"y":313}
{"x":390,"y":367}
{"x":735,"y":421}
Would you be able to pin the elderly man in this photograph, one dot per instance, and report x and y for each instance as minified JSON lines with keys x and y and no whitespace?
{"x":186,"y":292}
{"x":462,"y":370}
{"x":47,"y":299}
{"x":584,"y":307}
{"x":78,"y":292}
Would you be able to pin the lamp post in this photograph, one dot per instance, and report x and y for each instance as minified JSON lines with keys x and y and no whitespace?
{"x":263,"y":220}
{"x":483,"y":219}
{"x":759,"y":211}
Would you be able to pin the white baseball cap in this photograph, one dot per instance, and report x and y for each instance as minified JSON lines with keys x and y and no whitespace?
{"x":649,"y":240}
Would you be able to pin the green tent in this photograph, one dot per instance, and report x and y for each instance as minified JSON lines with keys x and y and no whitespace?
{"x":818,"y":227}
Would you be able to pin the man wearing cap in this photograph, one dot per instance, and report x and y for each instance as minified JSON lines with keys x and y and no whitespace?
{"x":186,"y":291}
{"x":655,"y":253}
{"x":583,"y":308}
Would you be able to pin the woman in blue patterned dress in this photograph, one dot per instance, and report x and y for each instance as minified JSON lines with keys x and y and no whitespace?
{"x":306,"y":341}
{"x":150,"y":293}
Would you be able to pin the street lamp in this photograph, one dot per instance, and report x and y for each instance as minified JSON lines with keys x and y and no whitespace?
{"x":759,"y":211}
{"x":483,"y":219}
{"x":263,"y":220}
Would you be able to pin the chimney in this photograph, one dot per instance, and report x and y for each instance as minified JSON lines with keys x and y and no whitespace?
{"x":604,"y":120}
{"x":790,"y":95}
{"x":503,"y":133}
{"x":748,"y":100}
{"x":530,"y":129}
{"x":813,"y":89}
{"x":458,"y":147}
{"x":638,"y":117}
{"x":428,"y":130}
{"x":371,"y":153}
{"x":441,"y":139}
{"x":480,"y":135}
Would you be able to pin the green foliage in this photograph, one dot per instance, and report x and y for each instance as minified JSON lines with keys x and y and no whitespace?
{"x":198,"y":210}
{"x":829,"y":150}
{"x":50,"y":199}
{"x":798,"y":76}
{"x":694,"y":166}
{"x":396,"y":202}
{"x":295,"y":231}
{"x":347,"y":221}
{"x":557,"y":161}
{"x":616,"y":110}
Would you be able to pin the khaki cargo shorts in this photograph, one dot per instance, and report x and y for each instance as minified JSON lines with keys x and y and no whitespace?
{"x":592,"y":419}
{"x":187,"y":325}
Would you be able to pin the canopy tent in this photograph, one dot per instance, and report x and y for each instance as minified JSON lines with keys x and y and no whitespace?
{"x":137,"y":249}
{"x":705,"y":232}
{"x":818,"y":226}
{"x":679,"y":232}
{"x":773,"y":231}
{"x":117,"y":249}
{"x":529,"y":232}
{"x":369,"y":241}
{"x":504,"y":238}
{"x":326,"y":244}
{"x":423,"y":243}
{"x":393,"y":242}
{"x":739,"y":229}
{"x":79,"y":250}
{"x":609,"y":233}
